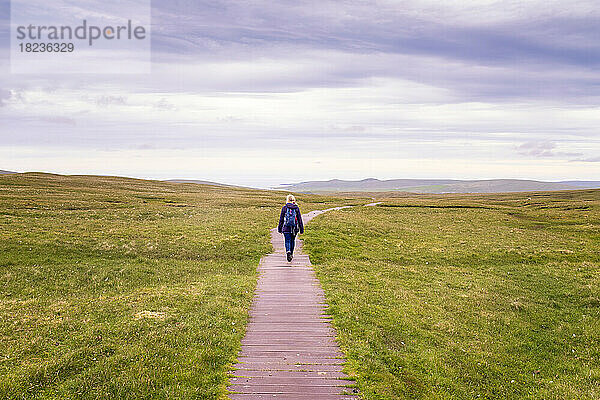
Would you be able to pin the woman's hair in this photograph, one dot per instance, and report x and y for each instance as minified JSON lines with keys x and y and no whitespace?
{"x":290,"y":199}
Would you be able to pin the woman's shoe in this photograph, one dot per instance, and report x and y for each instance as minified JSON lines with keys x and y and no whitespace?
{"x":289,"y":256}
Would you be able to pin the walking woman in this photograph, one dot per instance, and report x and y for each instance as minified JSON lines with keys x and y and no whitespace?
{"x":290,"y":223}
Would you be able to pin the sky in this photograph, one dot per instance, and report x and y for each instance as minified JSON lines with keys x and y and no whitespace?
{"x":260,"y":93}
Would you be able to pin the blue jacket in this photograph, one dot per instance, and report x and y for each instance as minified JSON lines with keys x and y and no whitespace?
{"x":286,"y":229}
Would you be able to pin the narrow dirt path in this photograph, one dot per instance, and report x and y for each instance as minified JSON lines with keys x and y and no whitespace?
{"x":289,"y":351}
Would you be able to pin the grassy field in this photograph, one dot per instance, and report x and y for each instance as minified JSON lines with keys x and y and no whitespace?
{"x":466,"y":297}
{"x":114,"y":288}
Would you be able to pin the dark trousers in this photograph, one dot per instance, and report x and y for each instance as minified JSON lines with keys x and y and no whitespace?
{"x":290,"y":241}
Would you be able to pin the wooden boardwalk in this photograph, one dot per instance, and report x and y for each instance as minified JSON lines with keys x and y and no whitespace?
{"x":289,"y":351}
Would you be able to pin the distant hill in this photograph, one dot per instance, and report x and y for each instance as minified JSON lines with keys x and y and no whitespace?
{"x":435,"y":186}
{"x":2,"y":172}
{"x":583,"y":184}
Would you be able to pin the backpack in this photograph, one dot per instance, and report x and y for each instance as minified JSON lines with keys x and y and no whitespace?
{"x":290,"y":219}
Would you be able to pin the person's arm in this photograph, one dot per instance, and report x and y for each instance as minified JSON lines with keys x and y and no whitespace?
{"x":280,"y":226}
{"x":300,"y":224}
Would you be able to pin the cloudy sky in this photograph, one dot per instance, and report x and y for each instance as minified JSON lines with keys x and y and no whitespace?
{"x":262,"y":92}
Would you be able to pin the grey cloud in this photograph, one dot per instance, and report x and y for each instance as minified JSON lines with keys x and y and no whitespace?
{"x":537,"y":149}
{"x":529,"y":54}
{"x":355,"y":27}
{"x":534,"y":55}
{"x":543,"y":149}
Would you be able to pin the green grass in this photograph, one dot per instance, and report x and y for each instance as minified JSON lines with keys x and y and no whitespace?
{"x":114,"y":288}
{"x":466,"y":297}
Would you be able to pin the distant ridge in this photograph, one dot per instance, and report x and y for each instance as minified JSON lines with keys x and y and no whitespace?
{"x":436,"y":185}
{"x":2,"y":172}
{"x":583,"y":184}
